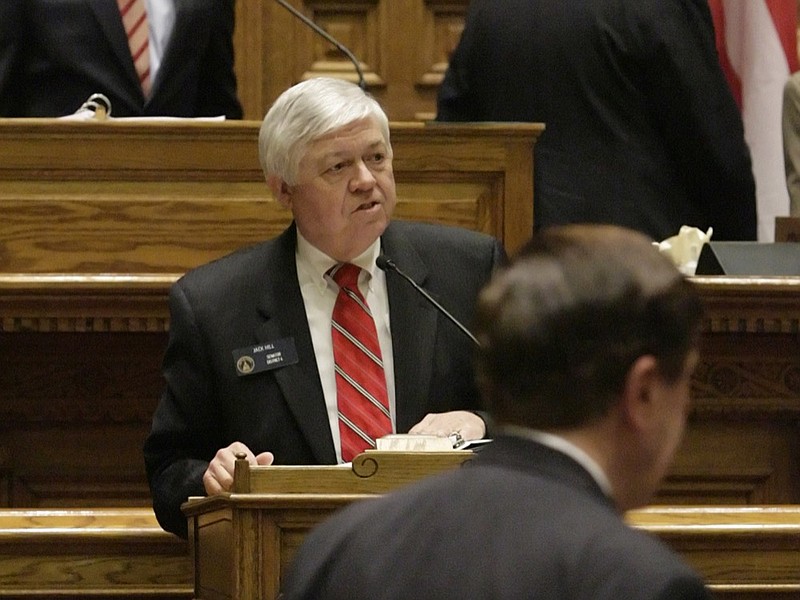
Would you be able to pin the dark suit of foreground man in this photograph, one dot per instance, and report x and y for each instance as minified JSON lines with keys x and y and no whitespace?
{"x":642,"y":128}
{"x":325,"y":150}
{"x":55,"y":53}
{"x":588,"y":343}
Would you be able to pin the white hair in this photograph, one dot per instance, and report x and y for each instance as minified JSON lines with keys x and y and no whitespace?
{"x":307,"y":111}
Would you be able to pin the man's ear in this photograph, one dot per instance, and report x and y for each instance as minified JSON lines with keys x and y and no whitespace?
{"x":637,"y":398}
{"x":281,"y":191}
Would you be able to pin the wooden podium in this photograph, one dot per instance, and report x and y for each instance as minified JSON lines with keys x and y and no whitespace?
{"x":242,"y":542}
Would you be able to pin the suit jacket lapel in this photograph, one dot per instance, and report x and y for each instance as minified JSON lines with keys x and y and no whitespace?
{"x":111,"y":23}
{"x":284,"y":314}
{"x":413,"y":322}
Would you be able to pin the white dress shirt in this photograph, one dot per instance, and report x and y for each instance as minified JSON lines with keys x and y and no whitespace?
{"x":319,"y":296}
{"x":565,"y":447}
{"x":161,"y":22}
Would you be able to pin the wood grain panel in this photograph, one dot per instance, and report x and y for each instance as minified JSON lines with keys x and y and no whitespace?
{"x":402,"y":47}
{"x":196,"y":192}
{"x":743,"y":553}
{"x":97,"y":553}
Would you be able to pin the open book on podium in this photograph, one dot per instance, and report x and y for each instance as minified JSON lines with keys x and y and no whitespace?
{"x":242,"y":541}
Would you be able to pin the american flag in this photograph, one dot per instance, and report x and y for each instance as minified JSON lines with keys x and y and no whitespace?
{"x":757,"y":44}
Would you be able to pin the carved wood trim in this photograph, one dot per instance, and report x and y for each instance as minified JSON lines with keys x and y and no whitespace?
{"x":356,"y":24}
{"x":402,"y":45}
{"x":751,"y":304}
{"x":752,"y":387}
{"x":84,"y":303}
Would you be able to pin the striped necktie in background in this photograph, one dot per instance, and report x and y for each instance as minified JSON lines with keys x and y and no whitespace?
{"x":361,"y":395}
{"x":134,"y":18}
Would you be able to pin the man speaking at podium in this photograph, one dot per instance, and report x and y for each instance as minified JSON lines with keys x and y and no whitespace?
{"x":300,"y":350}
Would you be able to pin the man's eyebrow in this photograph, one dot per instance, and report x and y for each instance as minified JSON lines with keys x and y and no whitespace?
{"x":340,"y":153}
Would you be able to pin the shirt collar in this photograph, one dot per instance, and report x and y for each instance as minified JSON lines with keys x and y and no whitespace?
{"x":566,"y":447}
{"x":317,"y":264}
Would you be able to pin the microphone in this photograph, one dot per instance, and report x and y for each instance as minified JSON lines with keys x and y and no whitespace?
{"x":386,"y":264}
{"x":362,"y":83}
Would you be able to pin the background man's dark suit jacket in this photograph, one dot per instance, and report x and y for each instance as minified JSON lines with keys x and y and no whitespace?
{"x":55,"y":53}
{"x":253,"y":297}
{"x":641,"y":127}
{"x":520,"y":521}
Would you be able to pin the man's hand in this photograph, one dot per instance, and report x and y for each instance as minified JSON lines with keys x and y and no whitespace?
{"x":469,"y":425}
{"x":219,"y":474}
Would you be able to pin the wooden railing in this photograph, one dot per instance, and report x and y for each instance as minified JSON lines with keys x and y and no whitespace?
{"x":745,"y":553}
{"x":91,"y":553}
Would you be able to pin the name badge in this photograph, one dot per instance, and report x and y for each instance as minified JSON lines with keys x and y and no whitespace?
{"x":265,"y":357}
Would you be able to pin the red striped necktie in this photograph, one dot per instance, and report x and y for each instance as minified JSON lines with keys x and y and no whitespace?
{"x":134,"y":18}
{"x":361,"y":396}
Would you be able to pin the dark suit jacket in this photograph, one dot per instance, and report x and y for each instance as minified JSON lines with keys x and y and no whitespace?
{"x":520,"y":521}
{"x":641,"y":127}
{"x":253,"y":297}
{"x":55,"y":53}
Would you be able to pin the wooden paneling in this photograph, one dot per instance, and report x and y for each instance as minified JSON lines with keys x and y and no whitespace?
{"x":402,"y":47}
{"x":750,"y":553}
{"x":743,"y":441}
{"x":82,"y":375}
{"x":117,"y":197}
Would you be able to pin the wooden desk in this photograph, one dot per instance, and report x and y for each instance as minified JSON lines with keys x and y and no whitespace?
{"x":748,"y":553}
{"x":163,"y":197}
{"x":241,"y":542}
{"x":744,"y":553}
